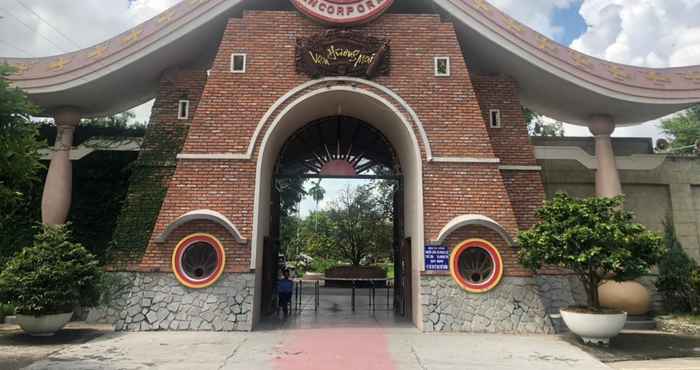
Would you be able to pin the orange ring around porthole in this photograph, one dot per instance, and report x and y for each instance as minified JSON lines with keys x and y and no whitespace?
{"x":489,"y":250}
{"x":200,"y":248}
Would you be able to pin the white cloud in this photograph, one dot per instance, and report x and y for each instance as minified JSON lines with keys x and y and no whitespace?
{"x":655,"y":33}
{"x":651,"y":33}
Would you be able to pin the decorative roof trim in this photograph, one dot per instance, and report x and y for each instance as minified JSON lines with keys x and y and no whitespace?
{"x":202,"y":214}
{"x":472,"y":219}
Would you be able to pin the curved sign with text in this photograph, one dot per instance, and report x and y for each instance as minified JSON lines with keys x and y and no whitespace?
{"x":343,"y":12}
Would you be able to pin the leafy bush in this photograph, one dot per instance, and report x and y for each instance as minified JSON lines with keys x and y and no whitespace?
{"x":595,"y":238}
{"x":52,"y":276}
{"x":676,"y":272}
{"x":6,"y":310}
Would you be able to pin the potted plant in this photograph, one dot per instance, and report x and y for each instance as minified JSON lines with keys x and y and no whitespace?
{"x":47,"y":280}
{"x":596,"y":239}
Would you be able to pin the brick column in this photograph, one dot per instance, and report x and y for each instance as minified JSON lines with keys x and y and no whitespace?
{"x":56,"y":199}
{"x":607,"y":178}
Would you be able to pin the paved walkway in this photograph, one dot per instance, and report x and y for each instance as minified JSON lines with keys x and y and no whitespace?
{"x":332,"y":338}
{"x":315,"y":349}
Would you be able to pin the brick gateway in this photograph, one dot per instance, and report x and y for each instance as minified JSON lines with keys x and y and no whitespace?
{"x":453,"y":164}
{"x":410,"y":71}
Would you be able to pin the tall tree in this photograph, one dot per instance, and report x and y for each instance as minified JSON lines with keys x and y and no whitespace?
{"x":684,"y":130}
{"x":19,"y":159}
{"x":538,"y":126}
{"x":360,"y":227}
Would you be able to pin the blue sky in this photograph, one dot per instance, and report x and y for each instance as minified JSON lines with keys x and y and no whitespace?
{"x":570,"y":20}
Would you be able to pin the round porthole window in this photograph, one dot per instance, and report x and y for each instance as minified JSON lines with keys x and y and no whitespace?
{"x":198,"y":261}
{"x":476,"y":265}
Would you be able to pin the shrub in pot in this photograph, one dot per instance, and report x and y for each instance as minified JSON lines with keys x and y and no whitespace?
{"x":596,"y":239}
{"x":46,"y":280}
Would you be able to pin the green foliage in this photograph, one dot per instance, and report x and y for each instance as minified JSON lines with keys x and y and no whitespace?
{"x":353,"y":227}
{"x":52,"y":276}
{"x":360,"y":227}
{"x":683,"y":129}
{"x":594,"y":238}
{"x":6,"y":309}
{"x":147,"y":190}
{"x":537,"y":126}
{"x":679,"y":276}
{"x":19,"y":163}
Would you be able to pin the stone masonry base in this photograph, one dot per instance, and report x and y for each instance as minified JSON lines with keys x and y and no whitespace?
{"x":514,"y":306}
{"x":157,"y":301}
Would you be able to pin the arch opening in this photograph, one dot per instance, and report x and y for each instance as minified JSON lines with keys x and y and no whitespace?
{"x":356,"y":105}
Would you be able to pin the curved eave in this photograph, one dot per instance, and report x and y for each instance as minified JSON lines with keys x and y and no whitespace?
{"x":562,"y":83}
{"x":554,"y":80}
{"x":125,"y":71}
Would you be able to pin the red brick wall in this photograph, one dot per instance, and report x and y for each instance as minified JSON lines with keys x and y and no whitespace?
{"x":511,"y":267}
{"x":510,"y":142}
{"x":237,"y":255}
{"x":233,"y":104}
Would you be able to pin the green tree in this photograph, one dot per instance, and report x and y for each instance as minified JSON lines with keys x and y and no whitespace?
{"x":120,"y":120}
{"x":52,"y":276}
{"x":683,"y":129}
{"x":19,"y":162}
{"x":676,"y":271}
{"x":594,"y":238}
{"x":360,"y":227}
{"x":537,"y":126}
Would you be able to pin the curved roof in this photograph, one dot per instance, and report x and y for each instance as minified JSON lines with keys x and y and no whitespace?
{"x":554,"y":80}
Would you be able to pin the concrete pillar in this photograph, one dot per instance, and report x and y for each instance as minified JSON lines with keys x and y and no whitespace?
{"x":607,"y":178}
{"x":56,"y":199}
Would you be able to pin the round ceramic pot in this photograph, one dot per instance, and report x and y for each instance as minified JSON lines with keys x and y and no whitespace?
{"x":629,"y":296}
{"x":594,"y":328}
{"x":43,"y":326}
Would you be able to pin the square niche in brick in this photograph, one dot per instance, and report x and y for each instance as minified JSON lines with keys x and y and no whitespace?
{"x":238,"y":63}
{"x":442,"y":66}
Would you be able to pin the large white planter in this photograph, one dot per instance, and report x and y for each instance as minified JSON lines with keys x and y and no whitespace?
{"x":43,"y":326}
{"x":594,"y":328}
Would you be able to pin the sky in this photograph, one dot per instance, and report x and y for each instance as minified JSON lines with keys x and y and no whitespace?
{"x":652,"y":33}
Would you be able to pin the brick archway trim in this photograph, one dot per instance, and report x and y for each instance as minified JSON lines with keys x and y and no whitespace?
{"x":202,"y":214}
{"x":478,"y":220}
{"x":354,"y":82}
{"x":288,"y":108}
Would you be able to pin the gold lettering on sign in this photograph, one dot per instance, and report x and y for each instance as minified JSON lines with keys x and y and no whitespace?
{"x":59,"y":64}
{"x":581,"y":60}
{"x":658,"y":78}
{"x":483,"y":6}
{"x":21,"y":68}
{"x":546,"y":44}
{"x":98,"y":52}
{"x":356,"y":57}
{"x":618,"y":73}
{"x":692,"y":76}
{"x":134,"y":35}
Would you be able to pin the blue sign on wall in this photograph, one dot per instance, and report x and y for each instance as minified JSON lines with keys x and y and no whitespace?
{"x":437,"y":258}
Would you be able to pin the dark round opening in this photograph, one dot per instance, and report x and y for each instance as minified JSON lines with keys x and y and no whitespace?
{"x":200,"y":260}
{"x":475,"y":265}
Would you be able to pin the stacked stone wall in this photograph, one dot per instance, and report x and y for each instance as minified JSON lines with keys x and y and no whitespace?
{"x":157,"y":301}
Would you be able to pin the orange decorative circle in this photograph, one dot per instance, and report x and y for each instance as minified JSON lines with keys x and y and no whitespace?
{"x":488,"y":253}
{"x":198,"y":261}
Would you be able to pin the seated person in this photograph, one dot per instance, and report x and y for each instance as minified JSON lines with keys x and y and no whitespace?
{"x":285,"y":287}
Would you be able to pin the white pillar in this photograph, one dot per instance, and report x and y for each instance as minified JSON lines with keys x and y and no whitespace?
{"x":607,"y":178}
{"x":56,"y":199}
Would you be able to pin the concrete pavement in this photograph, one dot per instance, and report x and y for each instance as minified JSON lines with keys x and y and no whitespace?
{"x":311,"y":349}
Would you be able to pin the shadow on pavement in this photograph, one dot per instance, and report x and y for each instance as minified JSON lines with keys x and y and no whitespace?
{"x":18,"y":350}
{"x":641,"y":346}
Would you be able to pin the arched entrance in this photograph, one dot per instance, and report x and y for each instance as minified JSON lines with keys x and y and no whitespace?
{"x":362,"y":110}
